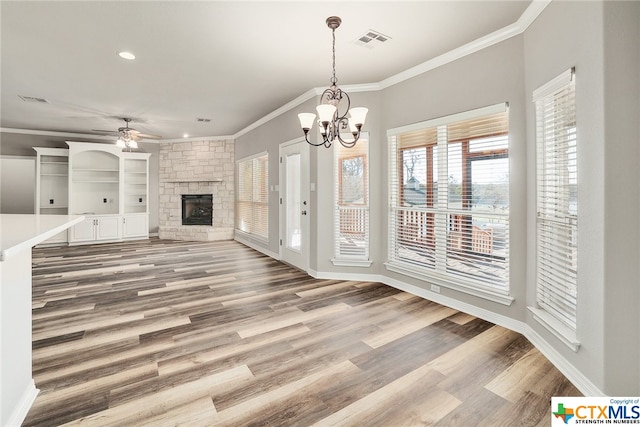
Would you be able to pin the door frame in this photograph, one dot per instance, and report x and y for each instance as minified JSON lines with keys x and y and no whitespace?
{"x":305,"y":190}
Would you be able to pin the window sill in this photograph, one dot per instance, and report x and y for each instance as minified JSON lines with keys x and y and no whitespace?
{"x":446,"y":282}
{"x":343,"y":262}
{"x":565,"y":334}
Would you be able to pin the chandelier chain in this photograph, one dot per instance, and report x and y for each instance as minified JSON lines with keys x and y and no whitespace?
{"x":334,"y":80}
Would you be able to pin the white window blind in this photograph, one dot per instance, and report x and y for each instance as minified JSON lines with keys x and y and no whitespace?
{"x":351,"y":196}
{"x":252,"y":197}
{"x":449,"y":199}
{"x":556,"y":195}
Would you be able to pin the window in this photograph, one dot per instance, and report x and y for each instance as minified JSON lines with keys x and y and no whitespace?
{"x":351,"y":221}
{"x":449,"y":188}
{"x":252,"y":200}
{"x":556,"y":196}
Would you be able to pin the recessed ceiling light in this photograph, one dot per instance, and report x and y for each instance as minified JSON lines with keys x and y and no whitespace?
{"x":185,"y":135}
{"x":126,"y":55}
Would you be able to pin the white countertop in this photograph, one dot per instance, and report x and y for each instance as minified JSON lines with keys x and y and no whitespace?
{"x":19,"y":232}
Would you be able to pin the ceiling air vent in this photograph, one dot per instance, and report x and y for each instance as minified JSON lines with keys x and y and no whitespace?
{"x":33,"y":99}
{"x":201,"y":120}
{"x":371,"y":39}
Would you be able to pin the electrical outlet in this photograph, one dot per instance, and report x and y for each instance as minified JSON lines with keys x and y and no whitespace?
{"x":140,"y":200}
{"x":435,"y":288}
{"x":50,"y":201}
{"x":104,"y":200}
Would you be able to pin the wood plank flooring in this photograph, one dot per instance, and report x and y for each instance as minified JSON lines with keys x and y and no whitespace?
{"x":164,"y":333}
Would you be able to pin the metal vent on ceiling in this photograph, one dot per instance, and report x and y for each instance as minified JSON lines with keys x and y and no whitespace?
{"x":371,"y":39}
{"x":33,"y":99}
{"x":199,"y":119}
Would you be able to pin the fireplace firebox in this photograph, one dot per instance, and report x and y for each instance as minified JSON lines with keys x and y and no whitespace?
{"x":197,"y":209}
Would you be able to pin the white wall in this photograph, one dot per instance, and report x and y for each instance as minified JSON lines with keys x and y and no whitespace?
{"x":622,"y":202}
{"x":17,"y":184}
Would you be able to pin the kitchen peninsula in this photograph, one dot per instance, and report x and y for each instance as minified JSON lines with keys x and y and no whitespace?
{"x":18,"y":234}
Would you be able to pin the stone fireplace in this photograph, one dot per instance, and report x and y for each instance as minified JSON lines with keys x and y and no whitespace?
{"x":189,"y":170}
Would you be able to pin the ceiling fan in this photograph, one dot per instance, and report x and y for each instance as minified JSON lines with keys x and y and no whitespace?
{"x":128,"y":137}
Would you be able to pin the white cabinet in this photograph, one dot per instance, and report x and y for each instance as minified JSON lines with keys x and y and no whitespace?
{"x":95,"y":229}
{"x":108,"y":228}
{"x":84,"y":231}
{"x":111,"y":188}
{"x":135,"y":225}
{"x":52,"y":194}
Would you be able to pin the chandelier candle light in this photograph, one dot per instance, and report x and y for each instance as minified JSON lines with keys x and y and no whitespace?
{"x":330,"y":121}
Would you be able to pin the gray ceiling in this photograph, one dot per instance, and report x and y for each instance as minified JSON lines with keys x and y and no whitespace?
{"x":229,"y":61}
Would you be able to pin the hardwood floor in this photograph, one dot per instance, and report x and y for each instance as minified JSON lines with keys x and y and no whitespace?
{"x":163,"y":333}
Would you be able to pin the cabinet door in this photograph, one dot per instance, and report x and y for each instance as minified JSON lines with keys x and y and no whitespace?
{"x":108,"y":228}
{"x":84,"y":231}
{"x":135,"y":226}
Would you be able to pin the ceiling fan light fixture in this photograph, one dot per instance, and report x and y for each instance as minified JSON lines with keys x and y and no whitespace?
{"x":126,"y":55}
{"x":120,"y":143}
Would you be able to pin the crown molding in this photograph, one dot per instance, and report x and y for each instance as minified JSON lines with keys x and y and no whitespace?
{"x":198,"y":139}
{"x":54,"y":133}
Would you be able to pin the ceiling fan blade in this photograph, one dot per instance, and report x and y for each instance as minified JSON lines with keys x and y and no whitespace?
{"x":147,"y":136}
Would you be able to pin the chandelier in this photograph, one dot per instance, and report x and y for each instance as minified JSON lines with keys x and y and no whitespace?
{"x":330,"y":121}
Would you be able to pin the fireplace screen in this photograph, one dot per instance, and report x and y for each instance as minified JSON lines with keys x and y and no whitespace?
{"x":197,"y":209}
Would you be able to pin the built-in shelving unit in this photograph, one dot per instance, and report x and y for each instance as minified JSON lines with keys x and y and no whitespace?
{"x":52,"y":194}
{"x":95,"y":179}
{"x":136,"y":183}
{"x":106,"y":185}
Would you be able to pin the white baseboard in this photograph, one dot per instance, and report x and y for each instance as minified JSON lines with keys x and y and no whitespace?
{"x":21,"y":410}
{"x":258,"y":248}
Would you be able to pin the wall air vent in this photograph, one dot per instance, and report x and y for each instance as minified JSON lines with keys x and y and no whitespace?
{"x":371,"y":39}
{"x":33,"y":99}
{"x":201,"y":120}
